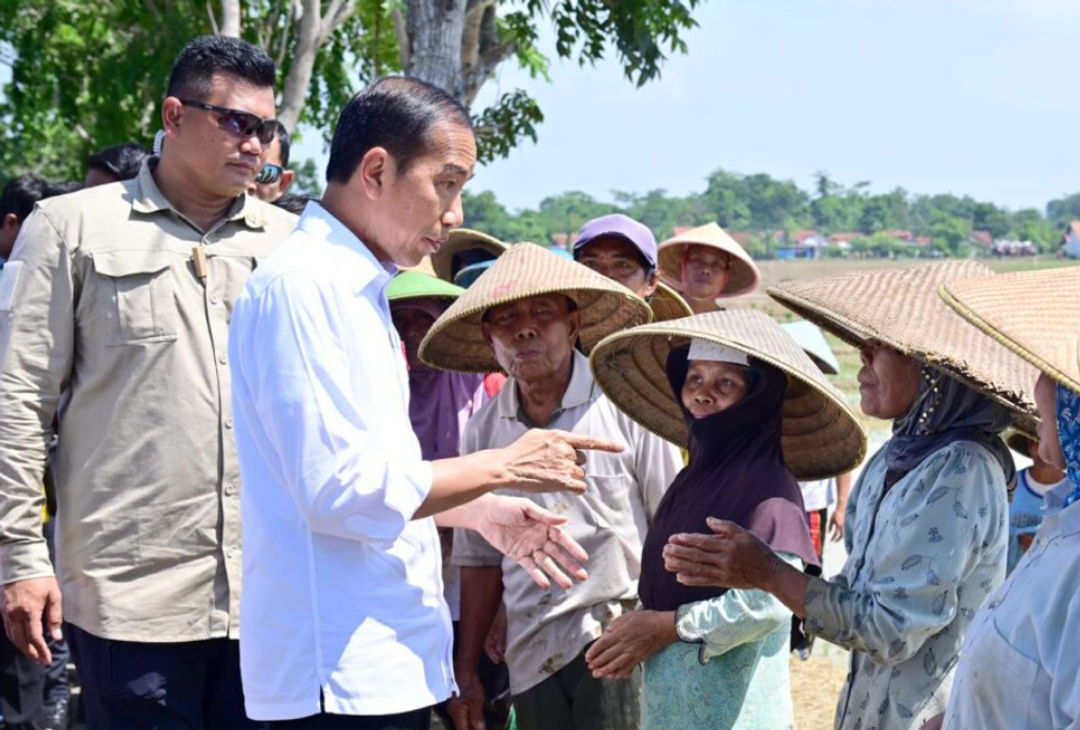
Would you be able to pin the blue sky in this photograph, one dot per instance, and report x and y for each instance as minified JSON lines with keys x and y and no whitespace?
{"x":966,"y":96}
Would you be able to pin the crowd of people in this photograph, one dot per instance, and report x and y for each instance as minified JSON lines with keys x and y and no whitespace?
{"x":496,"y":485}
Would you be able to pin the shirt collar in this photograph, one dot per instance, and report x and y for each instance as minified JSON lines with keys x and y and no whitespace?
{"x":148,"y":198}
{"x":319,"y":223}
{"x":1056,"y":518}
{"x":579,"y":391}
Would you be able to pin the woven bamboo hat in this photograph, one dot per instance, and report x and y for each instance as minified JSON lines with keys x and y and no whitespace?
{"x":1036,"y":314}
{"x":456,"y":342}
{"x":463,"y":240}
{"x":821,"y":435}
{"x":666,"y":303}
{"x":901,"y":308}
{"x":745,"y":276}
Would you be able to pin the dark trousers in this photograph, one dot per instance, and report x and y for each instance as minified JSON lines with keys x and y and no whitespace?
{"x":22,"y":683}
{"x":414,"y":720}
{"x":192,"y":685}
{"x":571,"y":699}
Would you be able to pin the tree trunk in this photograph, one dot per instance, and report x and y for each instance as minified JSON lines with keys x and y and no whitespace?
{"x":230,"y":18}
{"x":435,"y":28}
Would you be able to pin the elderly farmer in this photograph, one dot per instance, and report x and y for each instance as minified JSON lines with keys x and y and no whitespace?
{"x":525,"y":315}
{"x":706,"y":264}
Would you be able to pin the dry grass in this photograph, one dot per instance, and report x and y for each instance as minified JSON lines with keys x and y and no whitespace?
{"x":815,"y":686}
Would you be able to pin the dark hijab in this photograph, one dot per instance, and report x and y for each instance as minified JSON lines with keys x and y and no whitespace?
{"x":945,"y":410}
{"x":737,"y":473}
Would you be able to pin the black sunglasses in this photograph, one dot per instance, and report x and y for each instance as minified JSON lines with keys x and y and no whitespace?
{"x":269,"y":174}
{"x":238,"y":123}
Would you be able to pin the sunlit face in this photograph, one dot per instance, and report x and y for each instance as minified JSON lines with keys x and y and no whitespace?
{"x":706,"y":272}
{"x":411,"y":323}
{"x":532,"y":338}
{"x":421,"y":204}
{"x":711,"y":387}
{"x":214,"y":161}
{"x":618,"y":259}
{"x":888,"y":381}
{"x":1050,"y":450}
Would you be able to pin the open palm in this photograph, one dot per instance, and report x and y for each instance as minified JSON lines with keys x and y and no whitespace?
{"x":531,"y":535}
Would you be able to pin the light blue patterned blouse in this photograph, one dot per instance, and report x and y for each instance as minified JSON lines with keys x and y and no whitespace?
{"x":729,"y":672}
{"x":921,"y":559}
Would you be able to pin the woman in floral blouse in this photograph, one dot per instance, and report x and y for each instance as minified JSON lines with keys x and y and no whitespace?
{"x":927,"y":519}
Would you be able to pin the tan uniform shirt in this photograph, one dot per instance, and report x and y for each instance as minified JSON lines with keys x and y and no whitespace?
{"x":548,"y":628}
{"x":108,"y":325}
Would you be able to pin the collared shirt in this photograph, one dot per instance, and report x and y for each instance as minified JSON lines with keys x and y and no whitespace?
{"x":922,"y":556}
{"x":110,"y":328}
{"x":548,"y":628}
{"x":1019,"y":667}
{"x":343,"y":598}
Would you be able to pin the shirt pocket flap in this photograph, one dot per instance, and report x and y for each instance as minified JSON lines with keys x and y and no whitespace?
{"x":130,"y":261}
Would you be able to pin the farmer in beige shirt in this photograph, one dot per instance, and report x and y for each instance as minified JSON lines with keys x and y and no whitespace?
{"x":530,"y":331}
{"x":116,"y":323}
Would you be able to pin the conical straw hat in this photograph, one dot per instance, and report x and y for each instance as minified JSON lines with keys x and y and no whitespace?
{"x":902,"y":309}
{"x":666,"y":303}
{"x":821,"y":436}
{"x":461,"y":240}
{"x":1036,"y":314}
{"x":745,"y":276}
{"x":456,"y":342}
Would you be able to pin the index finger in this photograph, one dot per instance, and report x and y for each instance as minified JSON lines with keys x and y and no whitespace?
{"x":578,"y":441}
{"x":697,"y":540}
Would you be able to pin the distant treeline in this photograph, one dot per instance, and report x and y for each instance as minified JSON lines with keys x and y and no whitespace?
{"x":769,"y":211}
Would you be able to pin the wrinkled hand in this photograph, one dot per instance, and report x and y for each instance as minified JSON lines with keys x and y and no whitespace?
{"x":467,"y":708}
{"x":551,"y":461}
{"x":25,"y":604}
{"x":495,"y":641}
{"x":629,"y":640}
{"x":730,"y":558}
{"x":836,"y":524}
{"x":531,"y":535}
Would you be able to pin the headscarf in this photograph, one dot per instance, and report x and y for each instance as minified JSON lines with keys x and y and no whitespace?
{"x":945,"y":410}
{"x":1068,"y":424}
{"x":440,"y":402}
{"x":736,"y":472}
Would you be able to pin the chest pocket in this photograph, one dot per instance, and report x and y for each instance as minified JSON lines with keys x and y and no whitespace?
{"x":143,"y":308}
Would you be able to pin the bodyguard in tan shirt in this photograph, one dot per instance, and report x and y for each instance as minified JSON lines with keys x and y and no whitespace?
{"x":114,"y":315}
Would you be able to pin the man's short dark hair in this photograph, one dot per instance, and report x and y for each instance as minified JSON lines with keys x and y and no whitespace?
{"x":292,"y":203}
{"x":20,"y":194}
{"x":395,"y":113}
{"x":194,"y":69}
{"x":286,"y":143}
{"x":122,"y":161}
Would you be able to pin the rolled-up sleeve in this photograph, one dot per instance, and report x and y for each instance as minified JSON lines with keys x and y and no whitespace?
{"x":941,"y":532}
{"x":36,"y":349}
{"x":301,"y":408}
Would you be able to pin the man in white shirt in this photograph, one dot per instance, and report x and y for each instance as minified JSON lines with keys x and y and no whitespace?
{"x":344,"y":621}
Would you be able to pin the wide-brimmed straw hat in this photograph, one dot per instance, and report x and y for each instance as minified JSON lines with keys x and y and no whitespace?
{"x":745,"y":276}
{"x":666,"y":303}
{"x":821,"y":436}
{"x":456,"y":342}
{"x":460,"y":241}
{"x":1036,"y":314}
{"x":902,"y":309}
{"x":415,"y":285}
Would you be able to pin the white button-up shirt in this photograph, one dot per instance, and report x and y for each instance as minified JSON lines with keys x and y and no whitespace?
{"x":342,"y":597}
{"x":1019,"y":666}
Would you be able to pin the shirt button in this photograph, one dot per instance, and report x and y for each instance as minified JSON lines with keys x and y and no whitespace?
{"x":222,"y":359}
{"x":228,"y":423}
{"x":215,"y":300}
{"x":230,"y":488}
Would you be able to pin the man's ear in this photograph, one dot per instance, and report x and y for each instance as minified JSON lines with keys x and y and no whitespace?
{"x":286,"y":181}
{"x":485,"y":330}
{"x":375,"y":170}
{"x":575,"y":325}
{"x":171,"y":111}
{"x":651,"y":283}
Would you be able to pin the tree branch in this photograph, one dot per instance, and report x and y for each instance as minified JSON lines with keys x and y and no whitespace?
{"x":299,"y":78}
{"x":230,"y":18}
{"x":400,"y":28}
{"x":212,"y":17}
